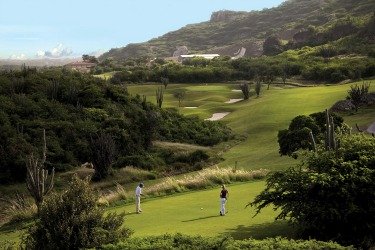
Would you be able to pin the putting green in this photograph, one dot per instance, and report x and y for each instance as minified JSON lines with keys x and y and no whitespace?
{"x":197,"y":213}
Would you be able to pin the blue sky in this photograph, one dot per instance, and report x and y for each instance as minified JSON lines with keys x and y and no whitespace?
{"x":58,"y":28}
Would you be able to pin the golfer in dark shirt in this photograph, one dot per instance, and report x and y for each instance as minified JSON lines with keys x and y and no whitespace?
{"x":223,"y":199}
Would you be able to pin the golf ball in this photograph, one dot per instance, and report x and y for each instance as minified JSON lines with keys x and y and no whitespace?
{"x":201,"y":208}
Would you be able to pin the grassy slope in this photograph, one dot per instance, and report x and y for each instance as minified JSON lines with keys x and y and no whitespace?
{"x":259,"y":119}
{"x":183,"y":213}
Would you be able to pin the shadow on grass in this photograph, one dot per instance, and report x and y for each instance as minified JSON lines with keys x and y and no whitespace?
{"x":262,"y":231}
{"x":202,"y":218}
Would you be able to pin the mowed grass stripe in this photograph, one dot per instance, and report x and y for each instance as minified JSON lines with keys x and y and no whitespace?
{"x":183,"y":214}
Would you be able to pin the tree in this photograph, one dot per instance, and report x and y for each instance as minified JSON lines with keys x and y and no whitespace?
{"x":104,"y":151}
{"x":180,"y":95}
{"x":90,"y":59}
{"x":285,"y":73}
{"x":272,"y":46}
{"x":159,"y":96}
{"x":245,"y":90}
{"x":37,"y":181}
{"x":271,"y":75}
{"x":72,"y":220}
{"x":164,"y":81}
{"x":258,"y":86}
{"x":357,"y":93}
{"x":330,"y":195}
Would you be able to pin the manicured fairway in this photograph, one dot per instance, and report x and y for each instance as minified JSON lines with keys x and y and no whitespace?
{"x":182,"y":213}
{"x":259,"y":119}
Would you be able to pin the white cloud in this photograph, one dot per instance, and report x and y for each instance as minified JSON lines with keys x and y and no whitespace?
{"x":97,"y":53}
{"x":59,"y":51}
{"x":18,"y":57}
{"x":40,"y":53}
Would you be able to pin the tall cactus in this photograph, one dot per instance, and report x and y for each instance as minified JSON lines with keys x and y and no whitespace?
{"x":159,"y":96}
{"x":331,"y":143}
{"x":330,"y":139}
{"x":313,"y":140}
{"x":37,"y":180}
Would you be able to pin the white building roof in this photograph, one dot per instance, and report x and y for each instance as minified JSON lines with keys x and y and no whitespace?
{"x":206,"y":56}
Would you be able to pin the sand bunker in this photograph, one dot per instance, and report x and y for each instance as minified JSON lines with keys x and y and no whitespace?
{"x":217,"y":116}
{"x":234,"y":100}
{"x":191,"y":107}
{"x":371,"y":129}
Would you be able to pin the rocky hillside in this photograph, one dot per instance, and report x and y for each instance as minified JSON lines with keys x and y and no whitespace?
{"x":295,"y":22}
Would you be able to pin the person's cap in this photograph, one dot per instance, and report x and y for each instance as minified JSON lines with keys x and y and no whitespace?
{"x":141,"y":184}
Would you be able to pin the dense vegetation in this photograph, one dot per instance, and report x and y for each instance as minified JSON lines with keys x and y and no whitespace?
{"x":86,"y":120}
{"x":303,"y":63}
{"x":330,"y":196}
{"x":297,"y":136}
{"x":180,"y":241}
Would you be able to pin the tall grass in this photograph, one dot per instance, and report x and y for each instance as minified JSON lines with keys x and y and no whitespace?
{"x":18,"y":208}
{"x":206,"y":178}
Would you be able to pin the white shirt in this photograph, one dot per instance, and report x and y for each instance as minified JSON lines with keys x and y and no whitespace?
{"x":138,"y":191}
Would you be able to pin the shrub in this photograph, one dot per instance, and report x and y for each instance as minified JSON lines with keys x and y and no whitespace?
{"x":179,"y":241}
{"x":245,"y":90}
{"x":297,"y":135}
{"x":357,"y":94}
{"x":331,"y":195}
{"x":72,"y":220}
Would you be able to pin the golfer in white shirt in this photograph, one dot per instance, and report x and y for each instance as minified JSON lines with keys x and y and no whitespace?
{"x":138,"y":193}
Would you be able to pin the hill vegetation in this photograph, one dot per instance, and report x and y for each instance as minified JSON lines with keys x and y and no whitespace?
{"x":294,"y":24}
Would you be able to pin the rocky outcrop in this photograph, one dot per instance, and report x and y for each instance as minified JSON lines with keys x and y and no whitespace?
{"x":180,"y":50}
{"x":226,"y":15}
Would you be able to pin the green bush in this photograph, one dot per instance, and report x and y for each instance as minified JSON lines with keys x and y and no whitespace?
{"x":179,"y":241}
{"x":331,"y":195}
{"x":72,"y":220}
{"x":297,"y":135}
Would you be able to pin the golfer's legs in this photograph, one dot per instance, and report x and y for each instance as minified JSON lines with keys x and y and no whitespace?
{"x":137,"y":204}
{"x":223,"y":201}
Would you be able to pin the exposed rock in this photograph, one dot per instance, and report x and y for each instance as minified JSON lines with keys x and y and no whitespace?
{"x":225,"y":15}
{"x":303,"y":36}
{"x":240,"y":53}
{"x":180,"y":50}
{"x":342,"y":105}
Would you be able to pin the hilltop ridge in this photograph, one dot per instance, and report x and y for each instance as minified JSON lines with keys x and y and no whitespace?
{"x":293,"y":22}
